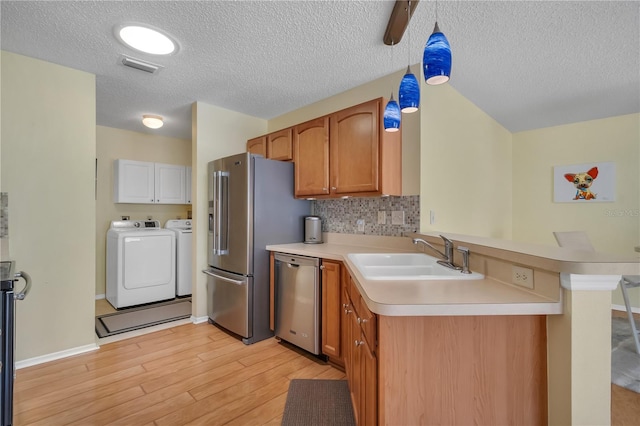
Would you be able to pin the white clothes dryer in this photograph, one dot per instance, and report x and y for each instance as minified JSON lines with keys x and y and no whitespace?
{"x":182,"y":229}
{"x":140,"y":263}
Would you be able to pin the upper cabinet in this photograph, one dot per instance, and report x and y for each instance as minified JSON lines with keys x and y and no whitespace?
{"x":348,"y":153}
{"x":279,"y":146}
{"x":258,"y":146}
{"x":149,"y":183}
{"x":276,"y":145}
{"x":311,"y":157}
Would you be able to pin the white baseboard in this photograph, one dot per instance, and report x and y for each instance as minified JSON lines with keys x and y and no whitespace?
{"x":100,"y":296}
{"x":624,"y":309}
{"x":199,"y":320}
{"x":56,"y":355}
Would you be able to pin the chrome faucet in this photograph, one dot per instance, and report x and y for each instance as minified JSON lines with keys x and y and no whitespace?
{"x":447,"y":256}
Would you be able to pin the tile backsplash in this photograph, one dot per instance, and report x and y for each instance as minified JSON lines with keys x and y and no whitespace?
{"x":341,"y":216}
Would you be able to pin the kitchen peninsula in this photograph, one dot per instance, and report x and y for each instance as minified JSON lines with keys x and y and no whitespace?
{"x":478,"y":351}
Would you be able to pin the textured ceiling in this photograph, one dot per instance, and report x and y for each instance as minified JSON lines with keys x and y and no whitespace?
{"x":528,"y":64}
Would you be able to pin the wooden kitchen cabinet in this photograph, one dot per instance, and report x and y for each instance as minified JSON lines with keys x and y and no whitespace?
{"x":331,"y":308}
{"x":348,"y":153}
{"x":258,"y":146}
{"x":280,"y":145}
{"x":275,"y":146}
{"x":311,"y":158}
{"x":360,"y":360}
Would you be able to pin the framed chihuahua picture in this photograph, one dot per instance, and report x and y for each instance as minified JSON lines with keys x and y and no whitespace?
{"x":585,"y":183}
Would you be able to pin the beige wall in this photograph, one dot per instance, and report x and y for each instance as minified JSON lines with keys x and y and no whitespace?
{"x":465,"y":167}
{"x":112,"y":144}
{"x":48,"y":162}
{"x":216,"y":133}
{"x":378,"y":88}
{"x":612,"y":227}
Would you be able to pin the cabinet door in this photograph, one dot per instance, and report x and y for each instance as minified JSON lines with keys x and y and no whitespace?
{"x":170,"y":184}
{"x":187,"y":184}
{"x":331,"y":308}
{"x":368,"y":385}
{"x":354,"y":375}
{"x":311,"y":157}
{"x":133,"y":182}
{"x":345,"y":337}
{"x":280,"y":145}
{"x":355,"y":154}
{"x":258,"y":146}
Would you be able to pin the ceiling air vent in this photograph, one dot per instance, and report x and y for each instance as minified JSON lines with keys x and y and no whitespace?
{"x":140,"y":64}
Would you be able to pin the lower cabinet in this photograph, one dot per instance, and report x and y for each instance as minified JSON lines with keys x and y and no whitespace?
{"x":360,"y":360}
{"x":331,"y":279}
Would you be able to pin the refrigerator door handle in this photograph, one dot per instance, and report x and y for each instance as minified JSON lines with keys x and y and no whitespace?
{"x":220,"y":277}
{"x":27,"y":286}
{"x":221,"y":196}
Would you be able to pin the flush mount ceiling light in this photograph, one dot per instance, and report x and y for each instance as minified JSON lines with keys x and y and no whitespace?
{"x":152,"y":121}
{"x":146,"y":39}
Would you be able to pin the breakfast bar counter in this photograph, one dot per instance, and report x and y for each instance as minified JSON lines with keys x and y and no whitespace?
{"x":533,"y":350}
{"x":486,"y":296}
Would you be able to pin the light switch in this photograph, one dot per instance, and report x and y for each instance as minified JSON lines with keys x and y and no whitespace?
{"x":397,"y":217}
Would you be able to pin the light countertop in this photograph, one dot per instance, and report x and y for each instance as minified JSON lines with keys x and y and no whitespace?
{"x":428,"y":298}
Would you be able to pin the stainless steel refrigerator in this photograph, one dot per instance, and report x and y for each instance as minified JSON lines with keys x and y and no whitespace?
{"x":251,"y":205}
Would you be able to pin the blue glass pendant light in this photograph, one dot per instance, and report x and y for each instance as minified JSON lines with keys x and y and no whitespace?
{"x":392,"y":116}
{"x":409,"y":93}
{"x":436,"y":60}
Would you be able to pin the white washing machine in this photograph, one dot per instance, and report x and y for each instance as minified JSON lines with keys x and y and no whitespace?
{"x":182,"y":229}
{"x":141,"y":259}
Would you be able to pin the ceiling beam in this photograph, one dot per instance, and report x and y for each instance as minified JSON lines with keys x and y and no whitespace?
{"x":398,"y":21}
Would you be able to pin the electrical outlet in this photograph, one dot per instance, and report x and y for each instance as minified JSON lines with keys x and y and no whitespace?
{"x":397,"y":217}
{"x":382,"y":217}
{"x":360,"y":223}
{"x":522,"y":276}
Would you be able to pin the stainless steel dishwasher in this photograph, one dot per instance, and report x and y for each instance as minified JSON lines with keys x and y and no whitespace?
{"x":297,"y":310}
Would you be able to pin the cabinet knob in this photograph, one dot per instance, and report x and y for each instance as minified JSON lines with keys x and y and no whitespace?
{"x":345,"y":305}
{"x":321,"y":267}
{"x":358,"y":343}
{"x":324,"y":189}
{"x":347,"y":311}
{"x":362,"y":321}
{"x":333,"y":188}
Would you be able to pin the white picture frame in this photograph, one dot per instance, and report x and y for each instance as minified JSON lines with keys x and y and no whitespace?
{"x":591,"y":183}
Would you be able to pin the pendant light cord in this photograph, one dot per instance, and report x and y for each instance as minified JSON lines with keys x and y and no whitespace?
{"x":408,"y":33}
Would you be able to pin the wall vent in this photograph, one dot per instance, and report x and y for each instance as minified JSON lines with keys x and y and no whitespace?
{"x":140,"y":64}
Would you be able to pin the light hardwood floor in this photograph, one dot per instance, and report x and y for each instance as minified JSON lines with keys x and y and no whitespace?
{"x":190,"y":374}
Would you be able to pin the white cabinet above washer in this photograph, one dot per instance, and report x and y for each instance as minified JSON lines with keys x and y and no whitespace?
{"x":149,"y":183}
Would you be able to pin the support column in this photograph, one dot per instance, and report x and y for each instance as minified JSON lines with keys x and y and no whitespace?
{"x":579,"y":352}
